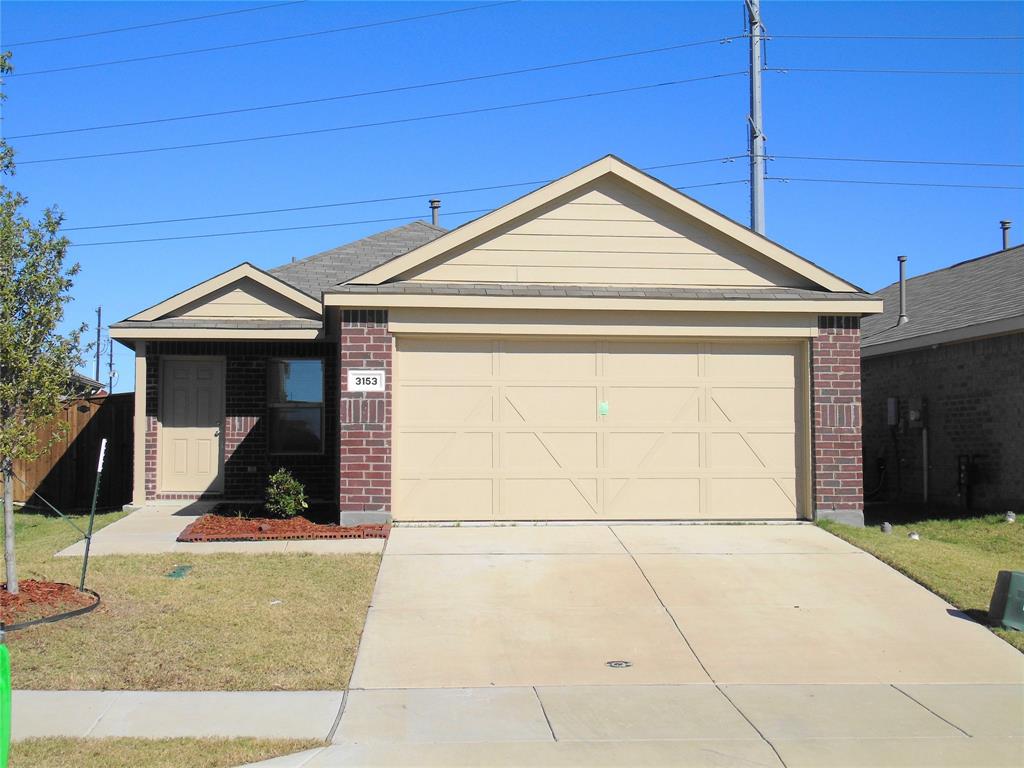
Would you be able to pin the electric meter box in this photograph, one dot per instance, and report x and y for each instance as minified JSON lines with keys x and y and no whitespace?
{"x":1007,"y":606}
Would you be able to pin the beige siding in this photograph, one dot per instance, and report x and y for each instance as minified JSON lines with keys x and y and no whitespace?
{"x":513,"y":429}
{"x":244,"y":299}
{"x":605,"y":234}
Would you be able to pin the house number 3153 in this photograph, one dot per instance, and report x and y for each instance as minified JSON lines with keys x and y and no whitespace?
{"x":365,"y":380}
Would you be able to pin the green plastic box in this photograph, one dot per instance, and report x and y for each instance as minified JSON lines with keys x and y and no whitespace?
{"x":1007,"y":606}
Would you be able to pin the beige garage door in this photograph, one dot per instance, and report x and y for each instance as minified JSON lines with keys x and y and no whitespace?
{"x":547,"y":429}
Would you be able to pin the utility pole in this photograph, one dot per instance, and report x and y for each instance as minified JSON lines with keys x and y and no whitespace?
{"x":99,"y":327}
{"x":756,"y":143}
{"x":110,"y":364}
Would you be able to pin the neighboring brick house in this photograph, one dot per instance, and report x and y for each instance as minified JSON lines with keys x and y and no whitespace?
{"x":602,"y":348}
{"x":948,"y":383}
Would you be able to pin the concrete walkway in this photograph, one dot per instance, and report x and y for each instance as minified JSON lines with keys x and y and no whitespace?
{"x":153,"y":529}
{"x":173,"y":714}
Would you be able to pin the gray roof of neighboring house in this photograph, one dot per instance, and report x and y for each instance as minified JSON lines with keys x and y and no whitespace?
{"x":970,"y":293}
{"x":593,"y":291}
{"x":321,"y":271}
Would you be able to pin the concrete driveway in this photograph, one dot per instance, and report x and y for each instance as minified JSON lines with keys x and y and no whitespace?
{"x":667,"y":645}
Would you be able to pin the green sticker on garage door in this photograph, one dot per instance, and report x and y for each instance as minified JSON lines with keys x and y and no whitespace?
{"x":602,"y":408}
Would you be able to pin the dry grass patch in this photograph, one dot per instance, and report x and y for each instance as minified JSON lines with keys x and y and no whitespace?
{"x":151,"y":753}
{"x":233,"y":622}
{"x":956,"y":559}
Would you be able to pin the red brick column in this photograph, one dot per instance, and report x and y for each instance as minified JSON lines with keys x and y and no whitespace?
{"x":365,"y":419}
{"x":836,"y":436}
{"x":152,"y":385}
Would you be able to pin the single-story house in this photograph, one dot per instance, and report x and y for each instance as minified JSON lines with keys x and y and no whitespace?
{"x":604,"y":347}
{"x":944,"y":388}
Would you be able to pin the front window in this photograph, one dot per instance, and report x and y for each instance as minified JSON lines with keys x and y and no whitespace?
{"x":296,"y":404}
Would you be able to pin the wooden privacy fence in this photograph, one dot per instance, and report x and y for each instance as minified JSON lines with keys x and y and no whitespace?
{"x":65,"y":474}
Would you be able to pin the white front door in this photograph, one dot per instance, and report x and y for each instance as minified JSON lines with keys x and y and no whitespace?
{"x":191,"y":417}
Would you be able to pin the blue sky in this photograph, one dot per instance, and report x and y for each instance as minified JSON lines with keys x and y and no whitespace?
{"x":855,"y":230}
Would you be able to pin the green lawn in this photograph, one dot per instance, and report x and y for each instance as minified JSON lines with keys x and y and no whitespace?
{"x":234,"y":622}
{"x":152,"y":753}
{"x":956,"y":559}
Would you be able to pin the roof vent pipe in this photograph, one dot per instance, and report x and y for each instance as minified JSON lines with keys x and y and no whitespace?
{"x":1005,"y":226}
{"x":903,"y":291}
{"x":434,"y":206}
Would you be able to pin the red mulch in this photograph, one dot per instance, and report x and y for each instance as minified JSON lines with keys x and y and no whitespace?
{"x":39,"y":599}
{"x":222,"y":528}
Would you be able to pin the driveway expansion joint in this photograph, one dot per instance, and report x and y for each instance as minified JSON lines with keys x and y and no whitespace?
{"x":932,"y":711}
{"x":664,"y":607}
{"x":544,"y":712}
{"x":743,"y":714}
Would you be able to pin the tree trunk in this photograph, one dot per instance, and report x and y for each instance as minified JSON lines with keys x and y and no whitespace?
{"x":12,"y":571}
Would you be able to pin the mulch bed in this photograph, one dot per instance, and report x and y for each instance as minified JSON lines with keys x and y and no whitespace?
{"x":222,"y":528}
{"x":40,"y":599}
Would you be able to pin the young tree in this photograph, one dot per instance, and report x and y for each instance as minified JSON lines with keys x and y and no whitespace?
{"x":37,"y":362}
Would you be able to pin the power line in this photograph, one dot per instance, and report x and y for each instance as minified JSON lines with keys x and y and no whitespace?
{"x":893,"y":183}
{"x":342,"y":223}
{"x":493,"y":187}
{"x":896,"y":161}
{"x":486,"y":210}
{"x":379,"y":123}
{"x":396,"y":89}
{"x":396,"y":198}
{"x":272,"y":229}
{"x":995,"y":38}
{"x":264,"y":41}
{"x":151,"y":24}
{"x":785,"y":70}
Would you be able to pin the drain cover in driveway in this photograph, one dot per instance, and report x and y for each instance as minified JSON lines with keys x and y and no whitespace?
{"x":618,"y":664}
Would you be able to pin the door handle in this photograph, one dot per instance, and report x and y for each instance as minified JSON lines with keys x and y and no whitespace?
{"x":216,"y":433}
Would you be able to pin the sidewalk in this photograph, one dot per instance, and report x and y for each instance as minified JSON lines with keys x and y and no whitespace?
{"x":153,"y":530}
{"x":176,"y":714}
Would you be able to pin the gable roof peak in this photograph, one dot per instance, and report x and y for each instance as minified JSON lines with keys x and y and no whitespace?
{"x":403,"y":264}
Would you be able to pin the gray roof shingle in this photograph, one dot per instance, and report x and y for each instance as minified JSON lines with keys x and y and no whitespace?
{"x":321,"y":271}
{"x":221,"y":323}
{"x":969,"y":293}
{"x":593,"y":291}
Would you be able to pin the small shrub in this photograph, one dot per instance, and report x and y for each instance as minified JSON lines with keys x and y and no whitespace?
{"x":286,"y":496}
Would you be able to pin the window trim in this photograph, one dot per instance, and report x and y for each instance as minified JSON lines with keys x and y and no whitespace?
{"x":297,"y":404}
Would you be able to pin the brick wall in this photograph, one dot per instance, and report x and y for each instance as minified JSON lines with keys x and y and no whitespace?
{"x":246,"y":460}
{"x":974,"y":406}
{"x":365,"y":417}
{"x":836,"y":403}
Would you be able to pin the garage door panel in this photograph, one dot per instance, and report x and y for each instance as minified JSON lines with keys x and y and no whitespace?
{"x":549,"y":450}
{"x":651,"y":360}
{"x":424,"y":405}
{"x":551,"y":405}
{"x":752,"y":405}
{"x":652,"y":405}
{"x":431,"y":359}
{"x":694,"y":429}
{"x":525,"y":360}
{"x":652,"y":451}
{"x":750,"y":362}
{"x":567,"y":498}
{"x":441,"y":498}
{"x":771,"y":451}
{"x":653,"y":497}
{"x":440,"y":451}
{"x":752,"y":497}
